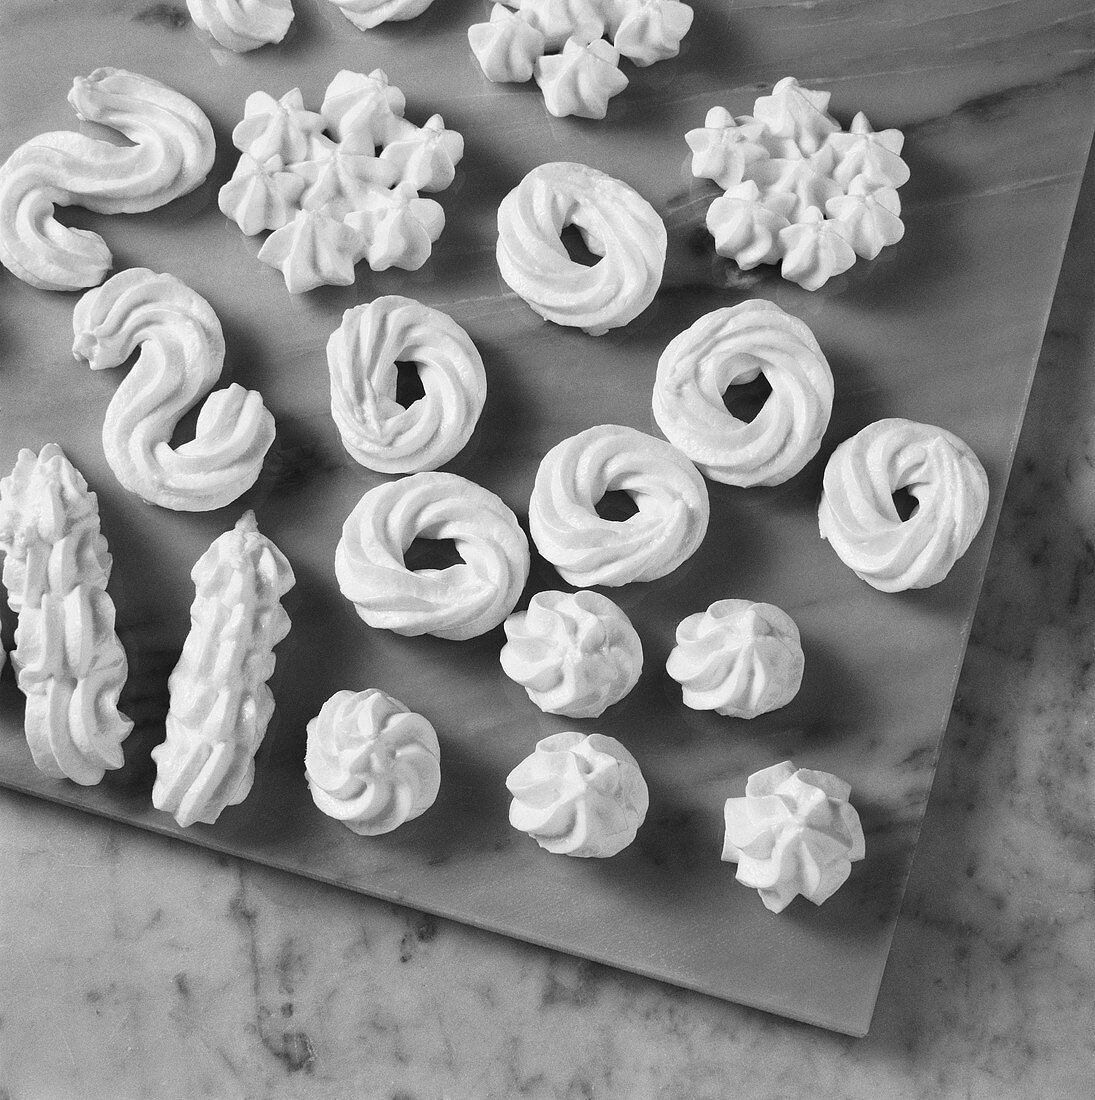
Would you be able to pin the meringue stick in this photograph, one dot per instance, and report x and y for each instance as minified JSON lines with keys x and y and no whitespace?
{"x":67,"y":658}
{"x":220,"y":704}
{"x":181,"y":356}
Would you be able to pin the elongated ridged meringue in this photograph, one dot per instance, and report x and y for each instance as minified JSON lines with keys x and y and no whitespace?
{"x":181,"y":357}
{"x":794,"y":832}
{"x":172,"y":152}
{"x":362,"y":355}
{"x":574,"y":653}
{"x":372,"y":763}
{"x":220,"y":703}
{"x":366,"y":14}
{"x":737,"y":658}
{"x":858,"y":516}
{"x":618,"y":225}
{"x":729,"y":347}
{"x":462,"y":601}
{"x":579,"y":795}
{"x":242,"y":25}
{"x":573,"y":476}
{"x":508,"y":47}
{"x":582,"y":79}
{"x":67,"y":658}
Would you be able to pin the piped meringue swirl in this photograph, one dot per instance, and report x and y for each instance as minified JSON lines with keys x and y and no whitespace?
{"x":366,"y":14}
{"x":242,"y":25}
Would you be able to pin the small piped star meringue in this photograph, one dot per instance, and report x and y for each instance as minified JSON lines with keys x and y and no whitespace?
{"x":792,"y":111}
{"x":312,"y":249}
{"x":260,"y":196}
{"x":746,"y":227}
{"x":342,"y":182}
{"x":276,"y":127}
{"x":725,"y":147}
{"x":582,"y":79}
{"x":398,"y":228}
{"x":426,"y":156}
{"x":814,"y":250}
{"x":507,"y":47}
{"x":651,"y":30}
{"x":869,"y":217}
{"x":360,"y":110}
{"x":863,"y":151}
{"x":558,"y":20}
{"x":797,"y":179}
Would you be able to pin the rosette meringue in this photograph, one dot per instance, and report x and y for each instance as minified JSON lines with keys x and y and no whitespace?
{"x":746,"y":227}
{"x":618,"y":225}
{"x":314,"y":249}
{"x":587,"y":550}
{"x":582,"y":79}
{"x":729,"y":347}
{"x":366,"y":14}
{"x":507,"y":47}
{"x":425,"y":156}
{"x":260,"y":196}
{"x":242,"y":25}
{"x":574,"y":653}
{"x":67,"y":658}
{"x":858,"y":516}
{"x":172,"y":152}
{"x":362,"y":355}
{"x":462,"y":601}
{"x":737,"y":658}
{"x":792,"y":111}
{"x":651,"y":30}
{"x":361,"y":111}
{"x":796,"y":179}
{"x":220,"y":704}
{"x":724,"y":148}
{"x":814,"y":250}
{"x":181,"y":357}
{"x":277,"y":127}
{"x":338,"y":183}
{"x":869,"y":217}
{"x":397,"y":228}
{"x":794,"y":832}
{"x":371,"y":763}
{"x":862,"y":151}
{"x":579,"y":795}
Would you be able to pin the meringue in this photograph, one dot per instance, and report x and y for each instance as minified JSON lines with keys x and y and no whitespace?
{"x":869,"y":219}
{"x":260,"y":195}
{"x":220,"y":704}
{"x":574,"y":653}
{"x":651,"y":30}
{"x":67,"y":658}
{"x":863,"y":151}
{"x":362,"y":355}
{"x":277,"y":127}
{"x":732,"y":346}
{"x":559,"y":20}
{"x":508,"y":47}
{"x":746,"y":227}
{"x":618,"y":225}
{"x":794,"y":112}
{"x":314,"y":249}
{"x":425,"y":156}
{"x":397,"y":228}
{"x":859,"y":519}
{"x":371,"y":763}
{"x":794,"y":832}
{"x":242,"y":25}
{"x":814,"y":250}
{"x":181,"y":357}
{"x":171,"y":154}
{"x":462,"y":601}
{"x":366,"y":14}
{"x":724,"y":148}
{"x":582,"y":79}
{"x":579,"y":795}
{"x":587,"y":550}
{"x":737,"y":658}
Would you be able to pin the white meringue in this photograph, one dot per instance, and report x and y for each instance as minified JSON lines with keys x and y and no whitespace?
{"x":426,"y":156}
{"x":507,"y":47}
{"x":797,"y":179}
{"x":814,"y":250}
{"x":587,"y":550}
{"x":651,"y":30}
{"x":792,"y":111}
{"x":181,"y":357}
{"x":242,"y":25}
{"x":339,"y":183}
{"x":462,"y":601}
{"x":397,"y":228}
{"x":260,"y":196}
{"x":746,"y":227}
{"x":862,"y":151}
{"x":579,"y":795}
{"x":361,"y":357}
{"x":371,"y":763}
{"x":724,"y":148}
{"x":728,"y":347}
{"x":366,"y":14}
{"x":582,"y":79}
{"x":869,"y":217}
{"x":277,"y":127}
{"x":858,"y":516}
{"x":312,"y":250}
{"x":794,"y":832}
{"x":172,"y":152}
{"x":361,"y":111}
{"x":559,"y":20}
{"x":575,"y":654}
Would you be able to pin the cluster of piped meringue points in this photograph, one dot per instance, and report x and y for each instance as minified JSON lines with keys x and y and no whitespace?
{"x":341,"y":185}
{"x":794,"y":832}
{"x":797,"y":188}
{"x":242,"y":25}
{"x":371,"y":762}
{"x":738,"y":658}
{"x":859,"y":518}
{"x":578,"y":795}
{"x":574,"y":653}
{"x":562,"y":44}
{"x":366,"y":14}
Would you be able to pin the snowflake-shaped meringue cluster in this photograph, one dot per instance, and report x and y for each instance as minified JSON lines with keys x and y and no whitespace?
{"x":797,"y":188}
{"x":573,"y":47}
{"x":342,"y":184}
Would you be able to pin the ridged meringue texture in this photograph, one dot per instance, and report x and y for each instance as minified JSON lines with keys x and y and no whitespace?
{"x":172,"y":153}
{"x":220,"y":703}
{"x":579,"y":795}
{"x":671,"y":496}
{"x":371,"y":763}
{"x":508,"y":47}
{"x":575,"y":654}
{"x":582,"y":79}
{"x":242,"y":25}
{"x":181,"y":357}
{"x":860,"y":520}
{"x":617,"y":224}
{"x":361,"y":358}
{"x":460,"y":602}
{"x":728,"y":347}
{"x":366,"y":14}
{"x":737,"y":658}
{"x":794,"y":832}
{"x":67,"y":658}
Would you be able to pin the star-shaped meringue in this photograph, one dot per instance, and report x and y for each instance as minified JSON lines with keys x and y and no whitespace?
{"x":360,"y":110}
{"x":582,"y":79}
{"x":398,"y":228}
{"x":313,"y":249}
{"x":558,"y":20}
{"x":341,"y":182}
{"x":796,"y":178}
{"x":746,"y":227}
{"x":651,"y":30}
{"x":814,"y":250}
{"x":507,"y":47}
{"x":427,"y":156}
{"x":869,"y":217}
{"x":792,"y":111}
{"x":276,"y":127}
{"x":724,"y":147}
{"x":863,"y":151}
{"x":260,"y":196}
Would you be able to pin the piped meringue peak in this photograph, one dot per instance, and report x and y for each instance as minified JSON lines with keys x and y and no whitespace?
{"x":797,"y":188}
{"x":342,"y":184}
{"x":738,"y":658}
{"x":579,"y":795}
{"x":371,"y":762}
{"x":794,"y":832}
{"x":242,"y":25}
{"x":366,"y":14}
{"x":859,"y":518}
{"x":574,"y":653}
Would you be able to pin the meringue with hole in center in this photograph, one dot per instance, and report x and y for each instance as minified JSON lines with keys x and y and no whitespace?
{"x":242,"y":25}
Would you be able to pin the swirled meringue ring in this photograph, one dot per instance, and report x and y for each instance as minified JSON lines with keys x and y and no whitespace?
{"x":859,"y":518}
{"x":462,"y":601}
{"x":362,"y":356}
{"x":729,"y":347}
{"x":617,"y":224}
{"x":668,"y":491}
